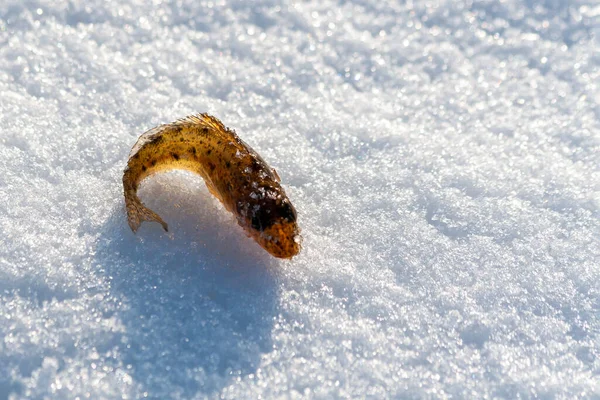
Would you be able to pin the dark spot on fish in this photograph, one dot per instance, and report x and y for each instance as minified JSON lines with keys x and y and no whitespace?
{"x":208,"y":152}
{"x":228,"y":164}
{"x":212,"y":166}
{"x":175,"y":156}
{"x":144,"y":168}
{"x":193,"y":150}
{"x":205,"y":130}
{"x":153,"y":162}
{"x":156,"y":140}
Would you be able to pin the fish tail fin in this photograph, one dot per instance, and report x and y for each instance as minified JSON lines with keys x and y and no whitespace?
{"x":138,"y":212}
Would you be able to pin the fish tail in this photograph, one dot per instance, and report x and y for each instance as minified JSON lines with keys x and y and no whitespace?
{"x":137,"y":211}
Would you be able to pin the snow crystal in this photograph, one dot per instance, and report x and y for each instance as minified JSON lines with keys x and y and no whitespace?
{"x":444,"y":159}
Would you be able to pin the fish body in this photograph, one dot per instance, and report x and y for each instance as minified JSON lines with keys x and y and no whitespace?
{"x":232,"y":171}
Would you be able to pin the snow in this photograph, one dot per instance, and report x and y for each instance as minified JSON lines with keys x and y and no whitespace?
{"x":444,"y":159}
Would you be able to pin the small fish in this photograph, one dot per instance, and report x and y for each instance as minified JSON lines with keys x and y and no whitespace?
{"x":232,"y":171}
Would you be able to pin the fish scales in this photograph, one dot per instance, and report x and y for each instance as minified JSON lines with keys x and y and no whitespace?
{"x":232,"y":171}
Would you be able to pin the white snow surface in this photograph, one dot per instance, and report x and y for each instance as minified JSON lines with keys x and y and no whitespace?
{"x":443,"y":156}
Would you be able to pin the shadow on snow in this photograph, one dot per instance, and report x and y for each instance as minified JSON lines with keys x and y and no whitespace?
{"x":197,"y":304}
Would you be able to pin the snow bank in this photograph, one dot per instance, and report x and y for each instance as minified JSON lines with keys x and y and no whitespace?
{"x":444,"y":159}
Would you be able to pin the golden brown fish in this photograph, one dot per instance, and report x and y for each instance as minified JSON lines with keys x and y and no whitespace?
{"x":232,"y":171}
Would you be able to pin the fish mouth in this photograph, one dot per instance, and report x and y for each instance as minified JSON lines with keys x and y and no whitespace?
{"x":282,"y":239}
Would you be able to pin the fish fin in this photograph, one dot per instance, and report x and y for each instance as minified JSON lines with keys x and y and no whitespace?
{"x":277,"y":178}
{"x":215,"y":122}
{"x":147,"y":137}
{"x":213,"y":191}
{"x":138,"y":212}
{"x":202,"y":119}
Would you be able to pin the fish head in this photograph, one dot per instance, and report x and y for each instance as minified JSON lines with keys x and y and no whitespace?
{"x":271,"y":221}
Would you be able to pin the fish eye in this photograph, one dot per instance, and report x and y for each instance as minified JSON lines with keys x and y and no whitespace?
{"x":287,"y":211}
{"x":261,"y":219}
{"x":268,"y":214}
{"x":256,"y":222}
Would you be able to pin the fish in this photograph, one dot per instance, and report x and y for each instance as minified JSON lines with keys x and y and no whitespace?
{"x":232,"y":171}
